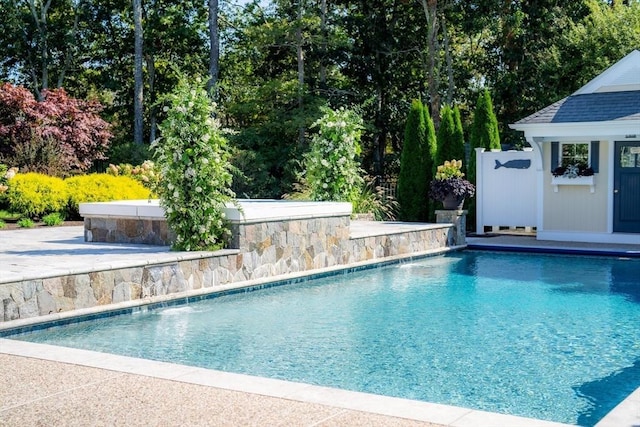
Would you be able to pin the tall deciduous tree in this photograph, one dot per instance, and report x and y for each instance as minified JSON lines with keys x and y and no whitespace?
{"x":42,"y":41}
{"x":588,"y":47}
{"x":214,"y":47}
{"x":138,"y":97}
{"x":430,"y":8}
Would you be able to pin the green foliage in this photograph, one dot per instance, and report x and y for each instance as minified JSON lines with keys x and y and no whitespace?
{"x":589,"y":46}
{"x":146,"y":174}
{"x":26,"y":223}
{"x":128,"y":153}
{"x":102,"y":187}
{"x":374,"y":200}
{"x":9,"y":216}
{"x":2,"y":224}
{"x":34,"y":195}
{"x":55,"y":218}
{"x":193,"y":158}
{"x":431,"y":150}
{"x":332,"y":169}
{"x":5,"y":175}
{"x":252,"y":174}
{"x":484,"y":130}
{"x":412,"y":181}
{"x":450,"y":137}
{"x":458,"y":137}
{"x":369,"y":54}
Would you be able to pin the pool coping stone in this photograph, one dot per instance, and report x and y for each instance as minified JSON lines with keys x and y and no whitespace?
{"x":444,"y":415}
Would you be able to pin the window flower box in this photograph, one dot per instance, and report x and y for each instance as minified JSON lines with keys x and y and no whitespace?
{"x":578,"y":180}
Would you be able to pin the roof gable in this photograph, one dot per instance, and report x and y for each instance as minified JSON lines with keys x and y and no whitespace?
{"x":624,"y":75}
{"x":612,"y":96}
{"x":592,"y":107}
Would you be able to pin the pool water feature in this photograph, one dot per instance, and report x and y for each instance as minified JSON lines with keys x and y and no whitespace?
{"x":549,"y":337}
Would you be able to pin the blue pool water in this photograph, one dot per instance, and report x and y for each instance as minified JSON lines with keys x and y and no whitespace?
{"x":548,"y":337}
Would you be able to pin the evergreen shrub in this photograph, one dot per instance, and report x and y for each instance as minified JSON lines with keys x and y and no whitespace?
{"x":102,"y":187}
{"x":450,"y":136}
{"x":412,"y":179}
{"x":34,"y":195}
{"x":417,"y":165}
{"x":484,"y":130}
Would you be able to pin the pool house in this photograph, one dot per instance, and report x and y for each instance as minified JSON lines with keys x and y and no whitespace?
{"x":586,"y":162}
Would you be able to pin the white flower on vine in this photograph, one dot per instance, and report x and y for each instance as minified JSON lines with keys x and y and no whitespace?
{"x":205,"y":138}
{"x":205,"y":161}
{"x":198,"y":189}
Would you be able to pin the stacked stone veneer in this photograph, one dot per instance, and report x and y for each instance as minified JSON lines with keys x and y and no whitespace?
{"x":258,"y":250}
{"x":148,"y":231}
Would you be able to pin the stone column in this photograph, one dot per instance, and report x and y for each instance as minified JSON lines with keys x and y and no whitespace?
{"x":458,"y":218}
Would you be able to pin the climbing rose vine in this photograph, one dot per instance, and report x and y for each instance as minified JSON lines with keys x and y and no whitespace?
{"x":332,"y":169}
{"x":193,"y":158}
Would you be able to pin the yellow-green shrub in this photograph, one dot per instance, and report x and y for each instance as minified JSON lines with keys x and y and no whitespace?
{"x":35,"y":194}
{"x":102,"y":187}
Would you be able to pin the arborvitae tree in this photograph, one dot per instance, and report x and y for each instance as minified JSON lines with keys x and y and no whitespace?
{"x":430,"y":165}
{"x":450,"y":137}
{"x":412,"y":180}
{"x":458,"y":137}
{"x":484,"y":131}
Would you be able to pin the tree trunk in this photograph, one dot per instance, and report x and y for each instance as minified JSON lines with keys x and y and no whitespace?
{"x":40,"y":20}
{"x":151,"y":71}
{"x":214,"y":48}
{"x":323,"y":46}
{"x":300,"y":58}
{"x":68,"y":55}
{"x":447,"y":53}
{"x":433,"y":72}
{"x":138,"y":89}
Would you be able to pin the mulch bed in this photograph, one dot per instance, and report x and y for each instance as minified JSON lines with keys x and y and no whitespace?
{"x":14,"y":226}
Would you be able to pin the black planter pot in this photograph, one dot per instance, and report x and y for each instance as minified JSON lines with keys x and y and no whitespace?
{"x":452,"y":202}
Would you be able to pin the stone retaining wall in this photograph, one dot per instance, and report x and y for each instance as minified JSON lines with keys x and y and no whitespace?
{"x":268,"y":249}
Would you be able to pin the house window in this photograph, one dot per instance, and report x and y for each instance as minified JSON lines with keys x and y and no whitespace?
{"x":574,"y":154}
{"x":582,"y":154}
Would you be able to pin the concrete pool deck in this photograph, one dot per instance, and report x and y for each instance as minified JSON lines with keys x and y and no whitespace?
{"x":48,"y":385}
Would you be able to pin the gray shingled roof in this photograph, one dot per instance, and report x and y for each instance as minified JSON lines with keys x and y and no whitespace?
{"x":592,"y":107}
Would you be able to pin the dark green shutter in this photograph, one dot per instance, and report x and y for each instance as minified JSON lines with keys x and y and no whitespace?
{"x":595,"y":155}
{"x":555,"y":154}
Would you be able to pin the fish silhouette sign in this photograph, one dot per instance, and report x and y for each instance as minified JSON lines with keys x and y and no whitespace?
{"x":514,"y":164}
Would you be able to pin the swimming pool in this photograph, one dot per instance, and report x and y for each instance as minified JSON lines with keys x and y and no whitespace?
{"x":548,"y":337}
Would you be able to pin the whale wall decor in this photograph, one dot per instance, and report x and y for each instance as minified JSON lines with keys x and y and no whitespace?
{"x":514,"y":164}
